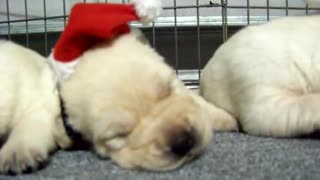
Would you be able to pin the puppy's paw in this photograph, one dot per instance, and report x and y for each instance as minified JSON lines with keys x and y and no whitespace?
{"x":223,"y":121}
{"x":17,"y":157}
{"x":228,"y":124}
{"x":220,"y":120}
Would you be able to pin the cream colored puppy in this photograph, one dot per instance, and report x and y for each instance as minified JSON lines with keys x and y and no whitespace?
{"x":126,"y":101}
{"x":268,"y":77}
{"x":29,"y":109}
{"x":122,"y":99}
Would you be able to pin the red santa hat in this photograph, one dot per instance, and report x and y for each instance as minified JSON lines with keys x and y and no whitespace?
{"x":93,"y":23}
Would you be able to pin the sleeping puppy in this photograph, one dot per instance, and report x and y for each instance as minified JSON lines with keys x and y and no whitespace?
{"x":268,"y":77}
{"x":122,"y":99}
{"x":30,"y":120}
{"x":126,"y":101}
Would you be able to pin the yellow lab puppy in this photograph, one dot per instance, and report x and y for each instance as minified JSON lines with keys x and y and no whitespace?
{"x":268,"y":77}
{"x":123,"y":99}
{"x":130,"y":104}
{"x":29,"y":109}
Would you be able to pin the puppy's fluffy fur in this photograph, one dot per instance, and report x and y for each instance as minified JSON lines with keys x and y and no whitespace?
{"x":268,"y":77}
{"x":122,"y":98}
{"x":130,"y":104}
{"x":29,"y":109}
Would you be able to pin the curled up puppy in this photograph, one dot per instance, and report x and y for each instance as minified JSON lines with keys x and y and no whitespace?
{"x":30,"y":123}
{"x":130,"y":105}
{"x":126,"y":101}
{"x":268,"y":77}
{"x":116,"y":93}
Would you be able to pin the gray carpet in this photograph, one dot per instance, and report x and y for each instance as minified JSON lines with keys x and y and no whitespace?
{"x":229,"y":156}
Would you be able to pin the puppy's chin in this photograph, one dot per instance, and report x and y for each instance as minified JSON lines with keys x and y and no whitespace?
{"x":149,"y":158}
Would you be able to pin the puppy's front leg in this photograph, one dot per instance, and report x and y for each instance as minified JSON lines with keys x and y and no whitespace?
{"x":220,"y":119}
{"x":29,"y":143}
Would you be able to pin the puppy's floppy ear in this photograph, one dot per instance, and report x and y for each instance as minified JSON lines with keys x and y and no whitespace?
{"x":143,"y":129}
{"x":220,"y":119}
{"x":114,"y":123}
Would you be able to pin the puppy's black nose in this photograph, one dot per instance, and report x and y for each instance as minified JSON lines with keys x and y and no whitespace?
{"x":182,"y":143}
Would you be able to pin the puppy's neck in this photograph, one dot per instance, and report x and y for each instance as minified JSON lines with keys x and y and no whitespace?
{"x":68,"y":137}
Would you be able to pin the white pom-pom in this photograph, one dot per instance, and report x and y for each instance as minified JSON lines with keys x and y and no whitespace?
{"x":147,"y":10}
{"x":62,"y":70}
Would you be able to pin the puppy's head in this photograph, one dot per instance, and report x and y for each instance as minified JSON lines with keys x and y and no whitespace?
{"x":137,"y":111}
{"x":175,"y":131}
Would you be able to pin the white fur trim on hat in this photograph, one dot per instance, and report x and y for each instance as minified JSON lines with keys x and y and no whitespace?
{"x":62,"y":70}
{"x":147,"y":10}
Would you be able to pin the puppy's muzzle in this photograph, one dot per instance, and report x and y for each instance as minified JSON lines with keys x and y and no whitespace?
{"x":182,"y":143}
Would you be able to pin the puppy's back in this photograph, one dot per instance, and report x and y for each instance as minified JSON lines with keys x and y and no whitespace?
{"x":26,"y":81}
{"x":258,"y":54}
